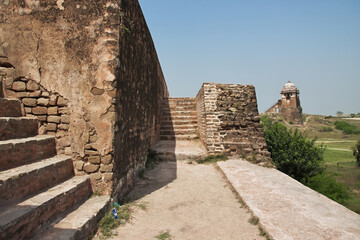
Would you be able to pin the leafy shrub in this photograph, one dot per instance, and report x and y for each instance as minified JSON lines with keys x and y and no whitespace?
{"x":328,"y":186}
{"x":346,"y":127}
{"x":291,"y":152}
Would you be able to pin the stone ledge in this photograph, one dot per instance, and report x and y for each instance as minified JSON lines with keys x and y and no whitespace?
{"x":287,"y":209}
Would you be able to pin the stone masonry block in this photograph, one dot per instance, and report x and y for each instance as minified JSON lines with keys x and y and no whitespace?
{"x":53,"y":119}
{"x":52,"y":111}
{"x":19,"y":86}
{"x":39,"y":110}
{"x":30,"y":102}
{"x":91,"y":168}
{"x":43,"y":101}
{"x":32,"y":86}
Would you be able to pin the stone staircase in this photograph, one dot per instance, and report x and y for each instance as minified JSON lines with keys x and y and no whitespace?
{"x":179,"y":119}
{"x":40,"y":198}
{"x":179,"y":135}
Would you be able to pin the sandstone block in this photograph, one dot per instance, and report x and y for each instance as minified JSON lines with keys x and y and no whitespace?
{"x":45,"y":94}
{"x":63,"y":126}
{"x":51,"y":127}
{"x":39,"y":110}
{"x":21,"y":94}
{"x":27,"y":110}
{"x":93,"y":138}
{"x":31,"y":102}
{"x":108,"y":176}
{"x":63,"y":142}
{"x":62,"y":102}
{"x":96,"y":176}
{"x":106,"y":159}
{"x":91,"y":168}
{"x":94,"y":159}
{"x":32,"y":86}
{"x":68,"y":151}
{"x":111,"y":93}
{"x":88,"y":146}
{"x":42,"y":118}
{"x":53,"y":100}
{"x":91,"y":152}
{"x":52,"y":110}
{"x":53,"y":119}
{"x":97,"y":91}
{"x":43,"y":101}
{"x":35,"y":94}
{"x":106,"y":168}
{"x":79,"y":165}
{"x":65,"y":119}
{"x":64,"y":111}
{"x":18,"y":86}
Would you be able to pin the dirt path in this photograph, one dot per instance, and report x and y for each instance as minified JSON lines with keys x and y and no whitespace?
{"x":189,"y":201}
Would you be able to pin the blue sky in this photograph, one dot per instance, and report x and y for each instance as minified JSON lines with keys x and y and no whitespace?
{"x":312,"y":43}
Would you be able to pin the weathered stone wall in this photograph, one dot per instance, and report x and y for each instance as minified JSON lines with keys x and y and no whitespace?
{"x":232,"y":122}
{"x":141,"y":90}
{"x":99,"y":58}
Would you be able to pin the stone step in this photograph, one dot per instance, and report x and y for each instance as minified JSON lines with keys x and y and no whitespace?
{"x":179,"y":127}
{"x":179,"y":137}
{"x":20,"y":220}
{"x":178,"y":132}
{"x":17,"y":152}
{"x":179,"y":118}
{"x":18,"y":127}
{"x":10,"y":108}
{"x":80,"y":223}
{"x":173,"y":123}
{"x":18,"y":183}
{"x":181,"y":108}
{"x":179,"y":113}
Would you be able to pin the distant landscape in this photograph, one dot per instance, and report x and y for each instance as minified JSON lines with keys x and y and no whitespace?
{"x":338,"y":157}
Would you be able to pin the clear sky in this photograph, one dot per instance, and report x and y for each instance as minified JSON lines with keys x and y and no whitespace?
{"x":312,"y":43}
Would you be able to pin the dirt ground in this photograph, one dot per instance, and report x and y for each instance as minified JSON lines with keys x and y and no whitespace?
{"x":188,"y":201}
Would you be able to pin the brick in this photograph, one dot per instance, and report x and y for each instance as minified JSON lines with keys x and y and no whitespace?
{"x":65,"y":119}
{"x":94,"y":159}
{"x":32,"y":86}
{"x":43,"y":101}
{"x":18,"y":86}
{"x":91,"y":168}
{"x":52,"y":110}
{"x":53,"y":119}
{"x":106,"y":168}
{"x":39,"y":110}
{"x":53,"y":100}
{"x":42,"y":118}
{"x":63,"y":126}
{"x":61,"y":102}
{"x":31,"y":102}
{"x":51,"y":127}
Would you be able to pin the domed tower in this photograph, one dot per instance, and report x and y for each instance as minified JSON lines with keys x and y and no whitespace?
{"x":289,"y":104}
{"x":290,"y":107}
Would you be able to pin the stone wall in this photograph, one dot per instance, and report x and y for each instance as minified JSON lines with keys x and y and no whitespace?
{"x":232,"y":123}
{"x":141,"y":89}
{"x":98,"y":57}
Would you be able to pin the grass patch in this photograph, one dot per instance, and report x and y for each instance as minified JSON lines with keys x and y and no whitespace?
{"x":263,"y":233}
{"x":109,"y":223}
{"x":326,"y":129}
{"x":213,"y":159}
{"x":254,"y":220}
{"x":164,"y":235}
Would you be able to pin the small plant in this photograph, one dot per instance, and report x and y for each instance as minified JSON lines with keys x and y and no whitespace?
{"x":254,"y":220}
{"x":212,"y":159}
{"x":263,"y":233}
{"x":356,"y":153}
{"x":164,"y":235}
{"x":291,"y":122}
{"x":152,"y":159}
{"x":125,"y":24}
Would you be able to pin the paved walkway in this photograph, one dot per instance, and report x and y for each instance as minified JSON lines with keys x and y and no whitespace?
{"x":287,"y":209}
{"x":190,"y":201}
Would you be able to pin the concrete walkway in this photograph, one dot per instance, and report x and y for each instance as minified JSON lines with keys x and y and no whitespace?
{"x":287,"y":209}
{"x":190,"y":201}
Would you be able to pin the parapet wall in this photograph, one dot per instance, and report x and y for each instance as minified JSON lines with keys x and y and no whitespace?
{"x":97,"y":56}
{"x":231,"y":122}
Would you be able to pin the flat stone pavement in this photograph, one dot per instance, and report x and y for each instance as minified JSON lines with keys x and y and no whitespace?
{"x":286,"y":208}
{"x":190,"y":201}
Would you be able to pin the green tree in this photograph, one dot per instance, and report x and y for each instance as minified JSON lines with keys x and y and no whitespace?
{"x":356,"y":152}
{"x":291,"y":152}
{"x":339,"y":113}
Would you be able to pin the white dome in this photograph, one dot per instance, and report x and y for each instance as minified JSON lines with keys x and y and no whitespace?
{"x":289,"y":86}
